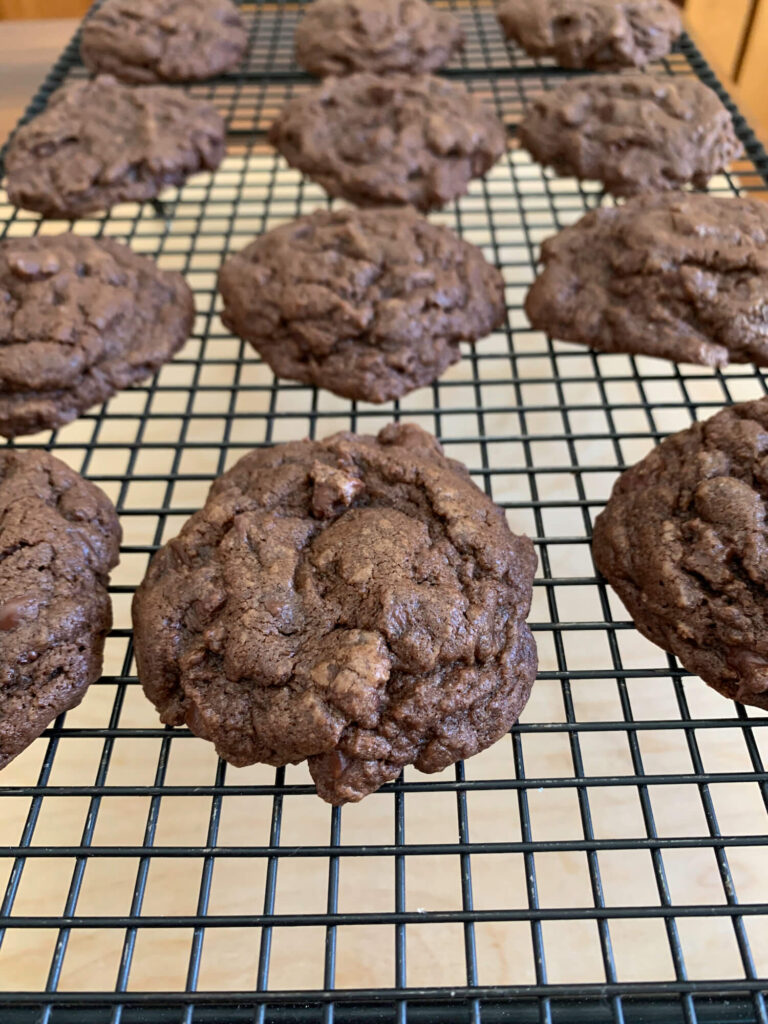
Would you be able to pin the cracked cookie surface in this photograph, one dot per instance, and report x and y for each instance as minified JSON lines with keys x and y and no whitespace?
{"x":369,"y":304}
{"x":679,"y":275}
{"x":80,"y":319}
{"x":339,"y":37}
{"x":100,"y":142}
{"x":683,"y":542}
{"x":59,"y":537}
{"x":146,"y":41}
{"x":605,"y":35}
{"x":389,"y":139}
{"x":356,"y":602}
{"x":635,"y":133}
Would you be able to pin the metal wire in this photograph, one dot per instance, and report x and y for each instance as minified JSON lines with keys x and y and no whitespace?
{"x":623,"y":770}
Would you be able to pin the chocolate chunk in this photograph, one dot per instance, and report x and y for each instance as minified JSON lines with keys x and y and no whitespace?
{"x":13,"y":613}
{"x":333,"y":490}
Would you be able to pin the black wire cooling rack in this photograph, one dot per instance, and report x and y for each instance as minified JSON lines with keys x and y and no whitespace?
{"x":604,"y":863}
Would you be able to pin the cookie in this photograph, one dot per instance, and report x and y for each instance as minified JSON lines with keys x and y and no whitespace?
{"x":634,"y":132}
{"x":679,"y":275}
{"x":356,"y":602}
{"x":80,"y":318}
{"x":98,"y":143}
{"x":146,"y":41}
{"x":369,"y":304}
{"x":398,"y":139}
{"x":59,"y":537}
{"x":339,"y":37}
{"x":605,"y":35}
{"x":682,"y":541}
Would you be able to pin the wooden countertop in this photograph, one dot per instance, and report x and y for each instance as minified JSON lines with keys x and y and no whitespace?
{"x":27,"y":50}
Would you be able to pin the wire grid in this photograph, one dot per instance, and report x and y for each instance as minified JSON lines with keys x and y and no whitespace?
{"x":606,"y":862}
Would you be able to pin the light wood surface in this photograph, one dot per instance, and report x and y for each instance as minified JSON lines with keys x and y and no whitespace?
{"x":718,"y":27}
{"x":753,"y":82}
{"x":27,"y":50}
{"x":43,"y":9}
{"x":733,"y":36}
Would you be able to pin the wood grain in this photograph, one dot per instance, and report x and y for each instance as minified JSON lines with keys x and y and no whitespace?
{"x":12,"y":9}
{"x":719,"y":29}
{"x":753,"y":81}
{"x":27,"y":50}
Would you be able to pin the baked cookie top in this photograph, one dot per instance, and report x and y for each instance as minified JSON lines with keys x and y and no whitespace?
{"x":100,"y":142}
{"x":369,"y":304}
{"x":605,"y":35}
{"x":356,"y":602}
{"x":146,"y":41}
{"x":394,"y":139}
{"x":634,"y":132}
{"x":679,"y":275}
{"x":683,"y":542}
{"x":338,"y":37}
{"x":80,"y":318}
{"x":59,"y":537}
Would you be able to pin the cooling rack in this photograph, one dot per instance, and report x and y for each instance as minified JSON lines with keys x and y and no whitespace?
{"x":606,"y":862}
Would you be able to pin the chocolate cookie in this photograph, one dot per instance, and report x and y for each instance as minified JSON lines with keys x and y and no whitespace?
{"x":80,"y":318}
{"x":683,"y":542}
{"x":679,"y":275}
{"x":338,"y":37}
{"x":605,"y":35}
{"x":369,"y":304}
{"x":145,"y":41}
{"x":59,"y":537}
{"x":635,"y":132}
{"x":99,"y":143}
{"x":356,"y":602}
{"x":396,"y":139}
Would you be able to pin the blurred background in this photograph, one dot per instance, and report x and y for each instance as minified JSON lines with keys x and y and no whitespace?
{"x":733,"y":35}
{"x":22,"y":9}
